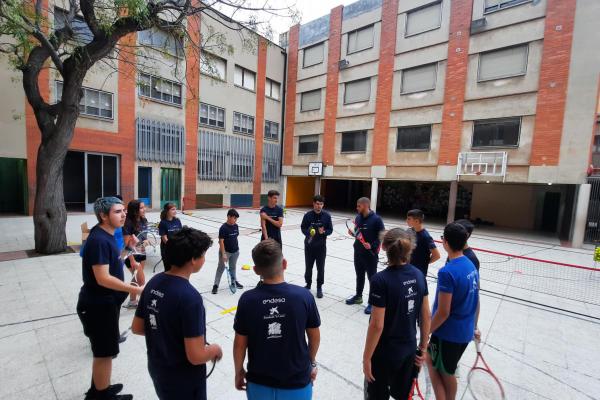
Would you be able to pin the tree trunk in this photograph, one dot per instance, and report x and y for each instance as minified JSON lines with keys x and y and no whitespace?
{"x":49,"y":213}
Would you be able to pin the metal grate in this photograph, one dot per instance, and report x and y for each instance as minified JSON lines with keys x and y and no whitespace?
{"x":270,"y":162}
{"x":225,"y":157}
{"x":592,"y":227}
{"x":160,"y":141}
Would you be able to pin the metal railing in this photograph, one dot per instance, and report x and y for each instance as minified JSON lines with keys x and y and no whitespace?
{"x":160,"y":141}
{"x":270,"y":162}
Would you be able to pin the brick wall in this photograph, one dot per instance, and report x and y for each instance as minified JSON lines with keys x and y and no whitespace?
{"x":290,"y":97}
{"x":383,"y":105}
{"x":192,"y":105}
{"x":259,"y":131}
{"x":554,"y":76}
{"x":331,"y":89}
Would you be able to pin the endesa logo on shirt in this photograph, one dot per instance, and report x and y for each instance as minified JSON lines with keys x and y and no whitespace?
{"x":274,"y":301}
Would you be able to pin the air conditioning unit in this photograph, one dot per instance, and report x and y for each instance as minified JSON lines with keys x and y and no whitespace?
{"x":343,"y":64}
{"x":478,"y":24}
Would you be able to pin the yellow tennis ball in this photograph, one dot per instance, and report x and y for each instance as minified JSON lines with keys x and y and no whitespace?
{"x":312,"y":232}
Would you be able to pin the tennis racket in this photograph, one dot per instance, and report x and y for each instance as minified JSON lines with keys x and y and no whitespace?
{"x":143,"y":239}
{"x":415,"y":390}
{"x":230,"y":280}
{"x":357,"y":234}
{"x":482,"y":382}
{"x":210,"y":366}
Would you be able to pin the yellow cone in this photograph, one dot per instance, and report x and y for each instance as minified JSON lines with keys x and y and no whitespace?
{"x":246,"y":267}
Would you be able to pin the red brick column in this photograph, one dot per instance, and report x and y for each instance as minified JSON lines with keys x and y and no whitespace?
{"x":456,"y":80}
{"x":383,"y":104}
{"x":192,"y":97}
{"x":331,"y":90}
{"x":290,"y":97}
{"x":259,"y":130}
{"x":554,"y":78}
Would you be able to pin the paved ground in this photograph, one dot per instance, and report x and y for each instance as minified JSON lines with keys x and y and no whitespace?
{"x":539,"y":352}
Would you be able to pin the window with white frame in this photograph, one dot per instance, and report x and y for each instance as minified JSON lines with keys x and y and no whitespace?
{"x":503,"y":63}
{"x":357,"y":91}
{"x":413,"y":138}
{"x":273,"y":89}
{"x":313,"y":55}
{"x":360,"y":39}
{"x":95,"y":103}
{"x":271,"y":130}
{"x":419,"y":79}
{"x":243,"y":123}
{"x":162,"y":40}
{"x":308,"y":144}
{"x":354,"y":142}
{"x":310,"y":100}
{"x":423,"y":19}
{"x":501,"y":132}
{"x":244,"y":78}
{"x":159,"y":89}
{"x":212,"y":116}
{"x":81,"y":31}
{"x":213,"y":66}
{"x":495,"y":5}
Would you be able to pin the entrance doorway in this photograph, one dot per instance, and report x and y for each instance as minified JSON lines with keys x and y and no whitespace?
{"x":145,"y":185}
{"x":170,"y":186}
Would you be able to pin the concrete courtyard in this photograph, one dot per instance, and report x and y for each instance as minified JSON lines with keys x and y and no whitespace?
{"x":540,"y":330}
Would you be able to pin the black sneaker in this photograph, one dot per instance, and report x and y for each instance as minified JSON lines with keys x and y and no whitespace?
{"x":122,"y":339}
{"x":307,"y":287}
{"x":215,"y":289}
{"x":354,"y":300}
{"x":368,"y":309}
{"x":238,"y":285}
{"x":110,"y":393}
{"x":319,"y":293}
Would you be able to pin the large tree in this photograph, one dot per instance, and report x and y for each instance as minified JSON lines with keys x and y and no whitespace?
{"x":33,"y":41}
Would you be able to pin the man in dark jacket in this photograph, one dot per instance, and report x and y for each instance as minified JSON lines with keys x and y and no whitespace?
{"x":316,"y":226}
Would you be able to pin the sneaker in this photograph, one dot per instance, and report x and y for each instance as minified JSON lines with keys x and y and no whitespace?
{"x":111,"y":393}
{"x":238,"y":285}
{"x":307,"y":287}
{"x":368,"y":309}
{"x":131,"y":305}
{"x":354,"y":300}
{"x":215,"y":289}
{"x":319,"y":293}
{"x":122,"y":338}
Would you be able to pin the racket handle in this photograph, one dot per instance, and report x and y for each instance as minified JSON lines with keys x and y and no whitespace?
{"x":478,"y":345}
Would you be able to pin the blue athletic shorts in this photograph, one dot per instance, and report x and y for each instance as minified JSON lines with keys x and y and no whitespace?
{"x":260,"y":392}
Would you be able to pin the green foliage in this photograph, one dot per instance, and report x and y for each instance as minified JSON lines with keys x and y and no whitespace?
{"x":12,"y":25}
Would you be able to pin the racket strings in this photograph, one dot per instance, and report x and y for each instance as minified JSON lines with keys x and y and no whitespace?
{"x":483,"y":385}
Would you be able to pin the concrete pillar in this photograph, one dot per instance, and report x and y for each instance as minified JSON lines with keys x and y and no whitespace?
{"x":581,"y":210}
{"x":317,"y":185}
{"x":452,"y":201}
{"x":284,"y":191}
{"x":374,"y":190}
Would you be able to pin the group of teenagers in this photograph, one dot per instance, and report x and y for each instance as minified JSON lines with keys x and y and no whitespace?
{"x":276,"y":323}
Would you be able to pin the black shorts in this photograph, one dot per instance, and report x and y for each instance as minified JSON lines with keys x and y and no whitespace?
{"x":445,"y":355}
{"x":391,"y":379}
{"x":136,"y":257}
{"x":101,"y":325}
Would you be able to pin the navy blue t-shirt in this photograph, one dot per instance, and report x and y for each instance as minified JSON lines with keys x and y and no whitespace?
{"x":166,"y":227}
{"x":130,"y":227}
{"x":275,"y":319}
{"x":421,"y":255}
{"x":460,"y":278}
{"x":275,"y":213}
{"x":316,"y":220}
{"x":100,"y":249}
{"x":370,"y":228}
{"x":400,"y":289}
{"x":229,"y":234}
{"x":172,"y":309}
{"x":470,"y":254}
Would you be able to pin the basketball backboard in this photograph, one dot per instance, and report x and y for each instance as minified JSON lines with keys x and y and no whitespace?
{"x":315,"y":169}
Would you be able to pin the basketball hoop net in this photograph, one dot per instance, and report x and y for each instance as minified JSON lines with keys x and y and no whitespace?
{"x":478,"y":173}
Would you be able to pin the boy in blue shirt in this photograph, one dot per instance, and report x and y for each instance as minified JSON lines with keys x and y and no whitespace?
{"x":171,"y":316}
{"x":272,"y":323}
{"x":271,"y":218}
{"x":425,"y":251}
{"x":366,"y":254}
{"x":229,"y":250}
{"x":454,"y":320}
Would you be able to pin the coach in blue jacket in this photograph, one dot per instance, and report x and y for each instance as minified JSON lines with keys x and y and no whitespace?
{"x":316,"y":226}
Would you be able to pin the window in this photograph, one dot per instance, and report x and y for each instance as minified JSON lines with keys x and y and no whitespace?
{"x":159,"y":89}
{"x":360,"y":39}
{"x":161,"y":40}
{"x":503,"y":63}
{"x":271,"y":130}
{"x":495,"y":5}
{"x":502,"y":132}
{"x":354,"y":142}
{"x":213,"y":66}
{"x":243,"y":123}
{"x":357,"y":91}
{"x":308,"y":144}
{"x":423,"y":19}
{"x":244,"y":78}
{"x":310,"y":100}
{"x":81,"y":32}
{"x":212,"y":115}
{"x":419,"y":79}
{"x":414,"y":138}
{"x":272,"y":89}
{"x":313,"y":55}
{"x":94,"y":103}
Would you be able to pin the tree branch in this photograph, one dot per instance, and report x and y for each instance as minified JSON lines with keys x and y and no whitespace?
{"x":87,"y":9}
